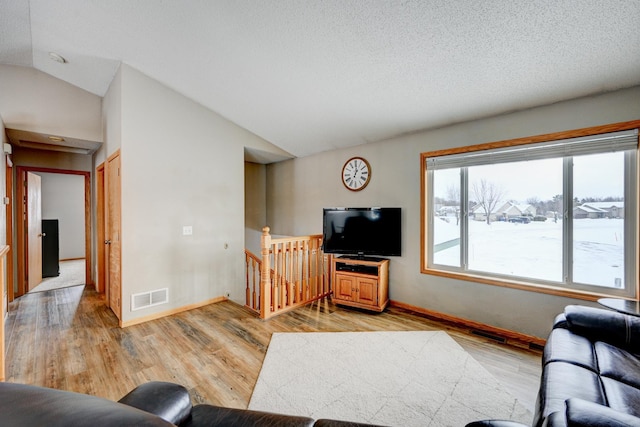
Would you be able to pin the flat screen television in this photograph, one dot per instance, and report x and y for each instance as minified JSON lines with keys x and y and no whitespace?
{"x":362,"y":231}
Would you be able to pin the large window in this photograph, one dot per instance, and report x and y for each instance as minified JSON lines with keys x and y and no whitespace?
{"x":551,"y":214}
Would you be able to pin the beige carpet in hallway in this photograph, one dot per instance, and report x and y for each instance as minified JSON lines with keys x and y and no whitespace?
{"x":71,"y":274}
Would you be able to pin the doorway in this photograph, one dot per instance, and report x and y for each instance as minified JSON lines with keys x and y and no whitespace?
{"x":25,"y":235}
{"x":108,"y":218}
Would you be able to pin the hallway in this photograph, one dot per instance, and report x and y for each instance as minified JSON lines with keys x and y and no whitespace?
{"x":71,"y":274}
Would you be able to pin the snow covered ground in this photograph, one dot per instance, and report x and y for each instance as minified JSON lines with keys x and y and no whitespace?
{"x":534,"y":250}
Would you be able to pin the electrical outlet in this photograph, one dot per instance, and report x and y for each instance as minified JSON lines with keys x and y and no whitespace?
{"x":187,"y":230}
{"x":228,"y":294}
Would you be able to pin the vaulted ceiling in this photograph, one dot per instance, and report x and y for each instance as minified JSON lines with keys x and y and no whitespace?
{"x":313,"y":75}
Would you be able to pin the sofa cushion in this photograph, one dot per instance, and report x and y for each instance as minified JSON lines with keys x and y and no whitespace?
{"x":618,"y":364}
{"x":561,"y":381}
{"x":589,"y":414}
{"x":622,"y":397}
{"x":564,"y":346}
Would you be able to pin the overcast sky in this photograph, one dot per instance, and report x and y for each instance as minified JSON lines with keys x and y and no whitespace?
{"x":599,"y":175}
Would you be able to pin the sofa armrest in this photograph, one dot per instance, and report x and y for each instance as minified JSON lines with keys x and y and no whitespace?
{"x":581,"y":413}
{"x":168,"y":401}
{"x":596,"y":324}
{"x":205,"y":415}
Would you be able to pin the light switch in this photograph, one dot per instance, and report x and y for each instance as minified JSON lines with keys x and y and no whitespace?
{"x":187,"y":230}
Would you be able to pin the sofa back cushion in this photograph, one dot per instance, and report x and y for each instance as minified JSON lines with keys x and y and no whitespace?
{"x":620,"y":330}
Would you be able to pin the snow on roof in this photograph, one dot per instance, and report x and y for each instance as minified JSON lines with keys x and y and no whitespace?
{"x":605,"y":205}
{"x":588,"y":208}
{"x":521,"y":208}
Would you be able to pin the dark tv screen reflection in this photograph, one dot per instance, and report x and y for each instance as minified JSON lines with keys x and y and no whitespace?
{"x":362,"y":231}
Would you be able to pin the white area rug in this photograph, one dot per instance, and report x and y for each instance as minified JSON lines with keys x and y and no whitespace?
{"x":388,"y":378}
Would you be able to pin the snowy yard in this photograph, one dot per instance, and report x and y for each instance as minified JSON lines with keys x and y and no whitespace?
{"x":534,"y":250}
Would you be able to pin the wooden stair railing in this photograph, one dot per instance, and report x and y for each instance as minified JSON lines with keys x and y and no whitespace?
{"x":291,"y":272}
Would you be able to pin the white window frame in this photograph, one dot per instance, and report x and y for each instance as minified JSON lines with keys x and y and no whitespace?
{"x":543,"y":146}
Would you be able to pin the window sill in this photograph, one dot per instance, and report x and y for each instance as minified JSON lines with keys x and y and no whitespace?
{"x":523,"y":286}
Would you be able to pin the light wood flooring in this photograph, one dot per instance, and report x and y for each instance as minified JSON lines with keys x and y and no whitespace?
{"x":68,"y":339}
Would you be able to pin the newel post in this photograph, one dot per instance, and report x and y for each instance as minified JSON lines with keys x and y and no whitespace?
{"x":265,"y":274}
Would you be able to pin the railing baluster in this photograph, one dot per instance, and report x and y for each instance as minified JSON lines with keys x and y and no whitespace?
{"x":256,"y":278}
{"x":291,"y":273}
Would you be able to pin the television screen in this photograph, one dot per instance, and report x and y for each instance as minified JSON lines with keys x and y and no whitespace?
{"x":362,"y":231}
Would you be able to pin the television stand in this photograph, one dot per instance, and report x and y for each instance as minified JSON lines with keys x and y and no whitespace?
{"x":361,"y":282}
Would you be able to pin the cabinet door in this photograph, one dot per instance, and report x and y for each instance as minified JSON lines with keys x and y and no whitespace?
{"x":344,"y":287}
{"x":368,"y":291}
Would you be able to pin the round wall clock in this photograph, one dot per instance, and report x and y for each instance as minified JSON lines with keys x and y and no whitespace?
{"x":356,"y":173}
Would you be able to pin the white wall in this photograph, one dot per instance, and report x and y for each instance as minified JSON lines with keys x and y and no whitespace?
{"x":63,"y":199}
{"x":297,"y":190}
{"x":182,"y":165}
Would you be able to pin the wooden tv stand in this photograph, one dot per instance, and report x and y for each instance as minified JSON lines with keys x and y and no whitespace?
{"x":361,"y":282}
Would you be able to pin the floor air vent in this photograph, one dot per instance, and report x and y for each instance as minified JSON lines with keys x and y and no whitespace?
{"x":489,"y":335}
{"x":149,"y":299}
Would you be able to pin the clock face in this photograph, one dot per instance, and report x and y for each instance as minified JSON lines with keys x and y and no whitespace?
{"x":356,"y":173}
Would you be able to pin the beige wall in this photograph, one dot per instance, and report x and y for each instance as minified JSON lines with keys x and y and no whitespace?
{"x":111,"y":120}
{"x":182,"y":165}
{"x":255,"y":204}
{"x":51,"y":159}
{"x":297,"y":190}
{"x":35,"y":101}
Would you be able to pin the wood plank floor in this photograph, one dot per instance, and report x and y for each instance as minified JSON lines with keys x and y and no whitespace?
{"x":68,"y":339}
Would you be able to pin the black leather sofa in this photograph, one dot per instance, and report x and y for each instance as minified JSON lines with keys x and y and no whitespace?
{"x":590,"y":371}
{"x":148,"y":405}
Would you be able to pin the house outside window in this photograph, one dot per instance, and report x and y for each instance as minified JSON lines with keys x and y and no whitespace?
{"x":555,"y":213}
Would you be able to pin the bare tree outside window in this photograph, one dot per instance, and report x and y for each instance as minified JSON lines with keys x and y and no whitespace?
{"x":453,"y":194}
{"x":487,"y":195}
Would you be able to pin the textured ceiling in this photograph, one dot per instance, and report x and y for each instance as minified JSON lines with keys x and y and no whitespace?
{"x":311,"y":75}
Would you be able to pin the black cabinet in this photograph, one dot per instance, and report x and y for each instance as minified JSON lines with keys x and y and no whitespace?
{"x":50,"y":248}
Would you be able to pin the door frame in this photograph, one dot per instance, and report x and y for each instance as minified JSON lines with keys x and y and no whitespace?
{"x":9,"y":227}
{"x":20,"y":228}
{"x":102,"y":278}
{"x":109,"y":199}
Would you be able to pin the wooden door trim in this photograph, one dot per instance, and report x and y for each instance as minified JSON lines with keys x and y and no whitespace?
{"x":117,"y":310}
{"x":101,"y":282}
{"x":4,"y":253}
{"x":20,"y":213}
{"x":33,"y":227}
{"x":9,"y":228}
